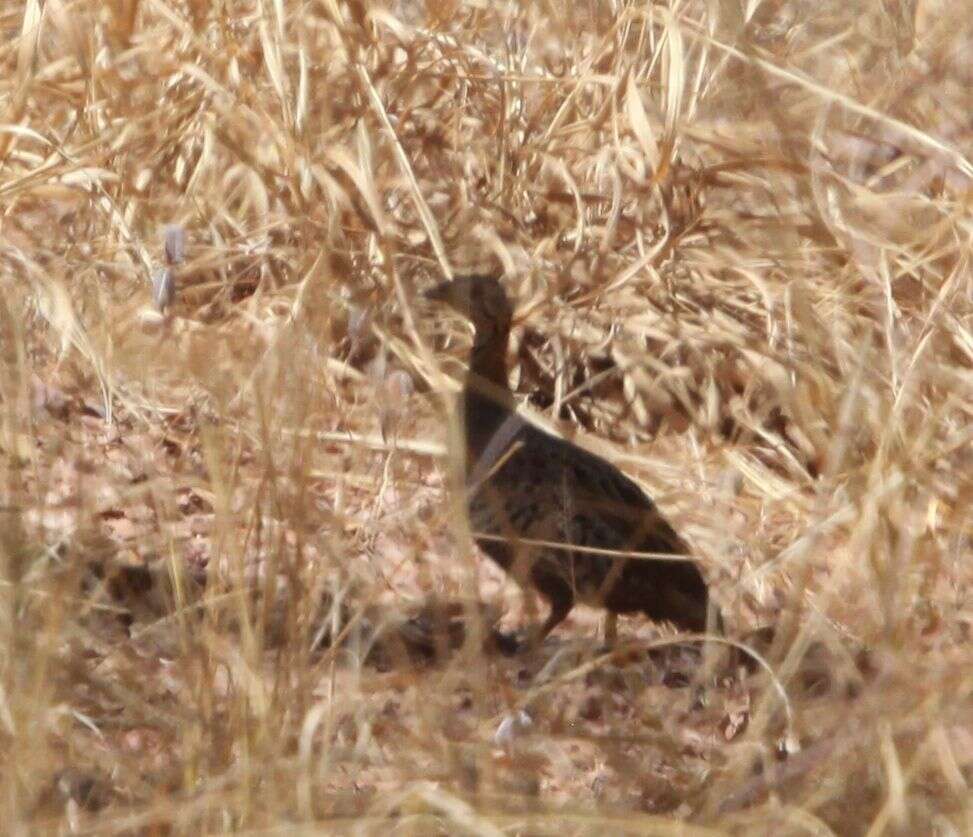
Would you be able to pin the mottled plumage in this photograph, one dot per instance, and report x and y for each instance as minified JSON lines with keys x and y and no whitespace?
{"x":526,"y":485}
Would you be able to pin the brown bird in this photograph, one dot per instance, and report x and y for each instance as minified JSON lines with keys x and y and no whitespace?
{"x":550,"y":514}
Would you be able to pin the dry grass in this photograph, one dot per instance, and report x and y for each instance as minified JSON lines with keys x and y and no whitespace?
{"x":741,"y":250}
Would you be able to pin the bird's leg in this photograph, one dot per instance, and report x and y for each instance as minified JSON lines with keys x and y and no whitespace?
{"x":561,"y":600}
{"x":611,"y":629}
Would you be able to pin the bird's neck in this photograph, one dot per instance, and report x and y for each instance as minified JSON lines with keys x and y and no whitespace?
{"x":487,"y":399}
{"x":488,"y":360}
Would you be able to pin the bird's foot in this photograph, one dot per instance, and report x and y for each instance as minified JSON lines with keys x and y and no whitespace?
{"x":507,"y":644}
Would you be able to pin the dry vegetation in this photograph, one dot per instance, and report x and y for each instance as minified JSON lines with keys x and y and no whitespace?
{"x":740,"y":244}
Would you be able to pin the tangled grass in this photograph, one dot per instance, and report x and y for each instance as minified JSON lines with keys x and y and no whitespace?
{"x":739,"y":237}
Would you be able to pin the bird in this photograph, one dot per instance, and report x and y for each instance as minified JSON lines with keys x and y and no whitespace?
{"x":557,"y":518}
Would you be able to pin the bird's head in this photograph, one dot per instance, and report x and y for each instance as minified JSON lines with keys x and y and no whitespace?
{"x":481,"y":299}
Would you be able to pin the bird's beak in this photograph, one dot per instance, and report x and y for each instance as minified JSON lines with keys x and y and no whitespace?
{"x":443,"y":292}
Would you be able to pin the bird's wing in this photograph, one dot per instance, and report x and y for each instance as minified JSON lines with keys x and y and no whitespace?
{"x":602,"y":491}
